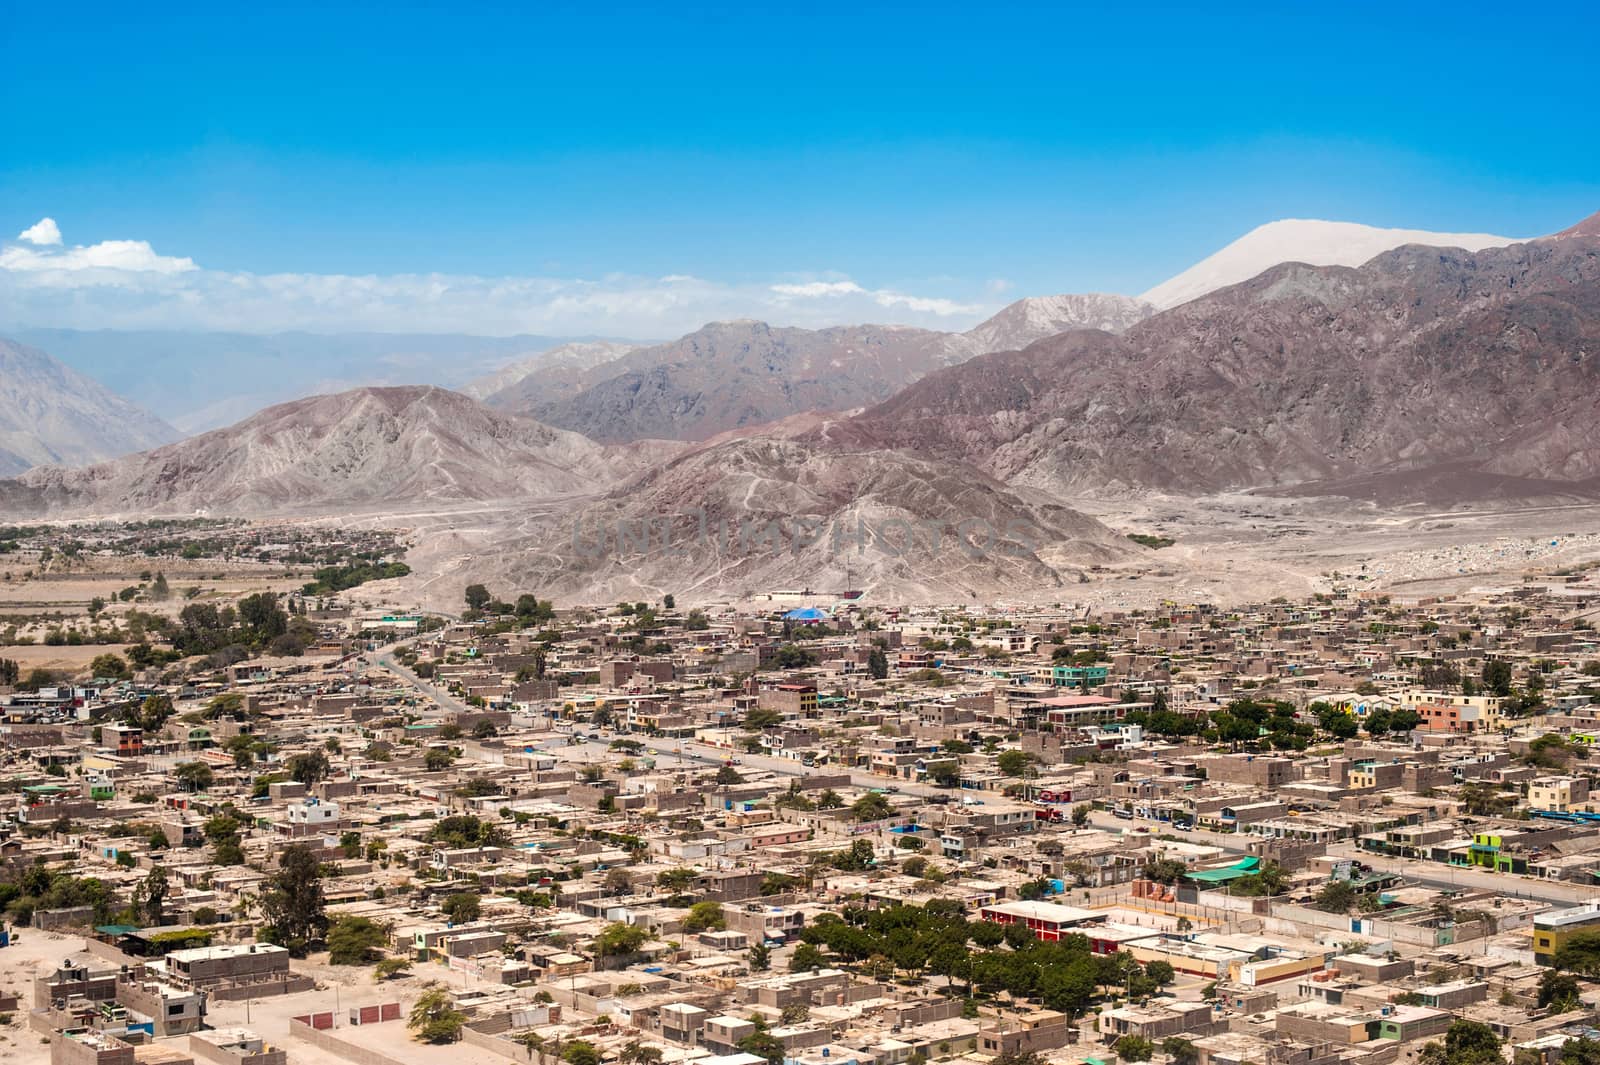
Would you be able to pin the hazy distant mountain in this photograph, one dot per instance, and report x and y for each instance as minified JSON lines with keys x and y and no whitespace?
{"x":732,"y":375}
{"x":53,"y":415}
{"x":364,"y":449}
{"x":1429,"y":371}
{"x":564,"y":361}
{"x":1301,"y":240}
{"x":201,"y":381}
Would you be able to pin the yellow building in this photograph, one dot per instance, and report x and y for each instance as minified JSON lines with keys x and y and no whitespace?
{"x":1552,"y":930}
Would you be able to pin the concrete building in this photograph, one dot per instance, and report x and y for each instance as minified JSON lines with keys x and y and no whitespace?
{"x":1552,"y":930}
{"x":1046,"y":920}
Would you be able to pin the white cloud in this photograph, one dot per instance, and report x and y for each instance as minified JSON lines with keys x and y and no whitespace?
{"x":124,"y":256}
{"x":814,"y":289}
{"x":43,"y":232}
{"x":887,"y":298}
{"x":127,"y":284}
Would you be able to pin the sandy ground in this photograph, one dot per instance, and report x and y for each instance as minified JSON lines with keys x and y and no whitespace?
{"x":59,"y":659}
{"x":1230,"y":551}
{"x":30,"y":954}
{"x":339,"y":988}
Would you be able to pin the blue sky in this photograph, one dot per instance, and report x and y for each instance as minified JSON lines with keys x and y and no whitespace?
{"x":961,"y":153}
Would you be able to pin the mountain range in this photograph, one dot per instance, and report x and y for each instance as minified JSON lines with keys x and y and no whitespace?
{"x":201,"y":381}
{"x":1424,"y":374}
{"x":728,"y":376}
{"x":1424,"y":359}
{"x":1301,"y":240}
{"x":52,"y":415}
{"x":369,"y":448}
{"x":732,"y":375}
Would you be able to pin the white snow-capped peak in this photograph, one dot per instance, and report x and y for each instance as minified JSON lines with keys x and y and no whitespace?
{"x":1302,"y":240}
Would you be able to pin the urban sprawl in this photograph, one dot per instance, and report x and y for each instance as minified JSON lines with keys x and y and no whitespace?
{"x":814,"y":830}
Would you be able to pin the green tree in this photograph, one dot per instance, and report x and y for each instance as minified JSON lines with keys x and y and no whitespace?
{"x":1080,"y":815}
{"x":760,"y":958}
{"x":1485,"y":800}
{"x":1336,"y":896}
{"x":1580,"y":953}
{"x":619,"y":939}
{"x":389,"y":968}
{"x":307,"y":768}
{"x":109,"y":666}
{"x":477,"y":596}
{"x":434,"y":1018}
{"x":854,"y":858}
{"x":462,"y":907}
{"x":152,"y":896}
{"x":1134,"y":1048}
{"x":760,"y":717}
{"x":1272,"y":879}
{"x":1580,"y":1051}
{"x":1559,"y":991}
{"x":1497,"y":676}
{"x":437,"y":759}
{"x":1014,"y":763}
{"x":1180,"y":1050}
{"x":580,"y":1052}
{"x":877,"y":664}
{"x":355,"y":941}
{"x":871,"y":807}
{"x":222,"y":832}
{"x":1165,"y":870}
{"x":762,"y":1043}
{"x":1470,"y":1043}
{"x":805,"y":958}
{"x":704,"y":916}
{"x":152,"y":714}
{"x":293,"y":903}
{"x":194,"y":776}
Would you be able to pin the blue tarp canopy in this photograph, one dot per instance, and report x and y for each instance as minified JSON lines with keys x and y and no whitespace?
{"x":1243,"y":868}
{"x":806,"y":613}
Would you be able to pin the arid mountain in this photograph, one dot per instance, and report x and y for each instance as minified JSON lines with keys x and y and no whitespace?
{"x":764,"y":513}
{"x":1423,"y":358}
{"x":566,"y":362}
{"x":731,"y":375}
{"x":1301,"y":240}
{"x":372,"y":447}
{"x":201,"y":381}
{"x":1035,"y":317}
{"x":52,"y":415}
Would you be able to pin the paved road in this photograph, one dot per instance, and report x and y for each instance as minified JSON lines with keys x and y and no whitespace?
{"x":1435,"y":875}
{"x":384,"y":659}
